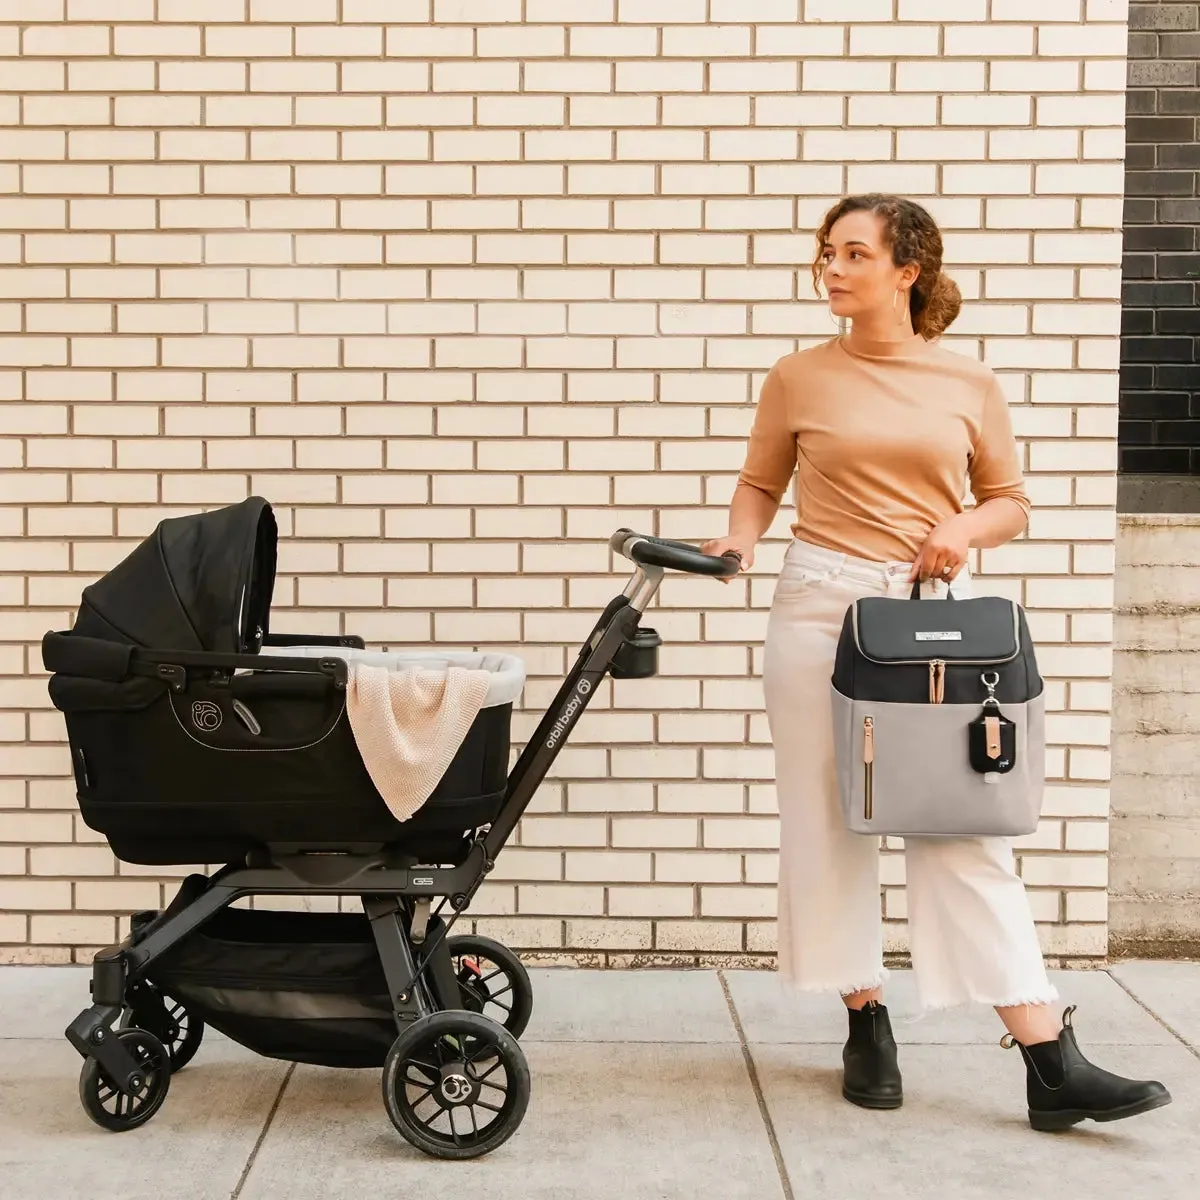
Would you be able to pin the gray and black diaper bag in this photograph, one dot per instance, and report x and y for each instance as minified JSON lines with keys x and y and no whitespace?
{"x":938,"y":718}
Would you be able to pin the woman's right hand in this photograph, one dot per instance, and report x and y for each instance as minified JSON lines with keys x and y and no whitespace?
{"x":743,"y":547}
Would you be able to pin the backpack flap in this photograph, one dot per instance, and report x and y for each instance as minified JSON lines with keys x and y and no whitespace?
{"x":984,"y":631}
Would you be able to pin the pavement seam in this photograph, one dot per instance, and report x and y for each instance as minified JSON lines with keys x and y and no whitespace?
{"x":262,"y":1137}
{"x":752,"y":1071}
{"x":1192,"y":1050}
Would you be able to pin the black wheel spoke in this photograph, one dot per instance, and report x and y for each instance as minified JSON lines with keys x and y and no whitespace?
{"x":428,"y":1122}
{"x":431,"y":1071}
{"x":485,"y":1048}
{"x":420,"y":1062}
{"x":490,"y":1071}
{"x":489,"y":1107}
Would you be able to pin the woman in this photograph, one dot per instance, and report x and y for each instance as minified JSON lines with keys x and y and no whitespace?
{"x":886,"y":426}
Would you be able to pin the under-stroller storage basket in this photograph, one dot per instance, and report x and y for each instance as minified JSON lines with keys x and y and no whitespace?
{"x":305,"y":987}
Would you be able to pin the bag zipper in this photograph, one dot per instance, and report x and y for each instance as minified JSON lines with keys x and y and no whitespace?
{"x":868,"y":767}
{"x":937,"y":680}
{"x":977,"y":662}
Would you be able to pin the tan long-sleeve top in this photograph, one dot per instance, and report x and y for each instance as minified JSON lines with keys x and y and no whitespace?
{"x":885,"y":437}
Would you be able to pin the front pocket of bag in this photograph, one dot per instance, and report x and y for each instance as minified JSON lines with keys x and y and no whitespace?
{"x":906,"y":769}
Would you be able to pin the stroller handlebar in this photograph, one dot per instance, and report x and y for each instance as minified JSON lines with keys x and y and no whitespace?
{"x":649,"y":551}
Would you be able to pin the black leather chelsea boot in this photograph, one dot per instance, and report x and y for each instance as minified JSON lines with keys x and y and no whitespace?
{"x":1063,"y":1088}
{"x":872,"y":1074}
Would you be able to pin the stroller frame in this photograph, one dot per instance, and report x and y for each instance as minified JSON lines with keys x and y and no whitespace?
{"x":396,"y":890}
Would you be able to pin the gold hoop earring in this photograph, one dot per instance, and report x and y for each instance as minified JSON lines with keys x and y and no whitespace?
{"x":899,"y":292}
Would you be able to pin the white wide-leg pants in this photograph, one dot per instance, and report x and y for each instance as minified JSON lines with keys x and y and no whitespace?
{"x":971,"y":932}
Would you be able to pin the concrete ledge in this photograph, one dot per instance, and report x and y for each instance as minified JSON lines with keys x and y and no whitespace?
{"x":1158,"y":494}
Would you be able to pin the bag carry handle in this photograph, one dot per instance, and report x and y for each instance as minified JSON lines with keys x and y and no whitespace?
{"x":915,"y":594}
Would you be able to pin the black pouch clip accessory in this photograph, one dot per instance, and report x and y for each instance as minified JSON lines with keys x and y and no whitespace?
{"x":992,"y":737}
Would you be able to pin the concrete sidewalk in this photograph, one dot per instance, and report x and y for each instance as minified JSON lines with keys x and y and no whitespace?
{"x":646,"y":1084}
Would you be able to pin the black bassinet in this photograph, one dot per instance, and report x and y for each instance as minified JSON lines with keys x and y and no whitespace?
{"x":191,"y":746}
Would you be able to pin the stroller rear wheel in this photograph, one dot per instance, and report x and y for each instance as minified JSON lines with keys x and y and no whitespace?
{"x":493,"y":980}
{"x":111,"y":1108}
{"x":167,"y":1019}
{"x":456,"y":1084}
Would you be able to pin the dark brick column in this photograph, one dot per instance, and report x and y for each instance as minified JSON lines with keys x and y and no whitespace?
{"x":1160,"y":345}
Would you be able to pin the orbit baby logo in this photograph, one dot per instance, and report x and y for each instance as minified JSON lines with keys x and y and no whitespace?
{"x":206,"y":715}
{"x":570,"y":709}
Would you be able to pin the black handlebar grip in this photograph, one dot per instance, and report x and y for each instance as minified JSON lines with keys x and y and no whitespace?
{"x":676,"y":556}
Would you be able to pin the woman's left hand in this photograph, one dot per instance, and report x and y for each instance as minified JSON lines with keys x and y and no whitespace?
{"x":945,"y":551}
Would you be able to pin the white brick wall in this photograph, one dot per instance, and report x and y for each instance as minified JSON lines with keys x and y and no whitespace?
{"x":462,"y":286}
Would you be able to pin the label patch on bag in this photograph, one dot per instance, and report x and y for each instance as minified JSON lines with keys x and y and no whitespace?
{"x":938,"y":635}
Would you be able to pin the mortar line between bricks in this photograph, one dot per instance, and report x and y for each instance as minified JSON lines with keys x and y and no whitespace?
{"x":1192,"y":1050}
{"x":262,"y":1137}
{"x":752,"y":1072}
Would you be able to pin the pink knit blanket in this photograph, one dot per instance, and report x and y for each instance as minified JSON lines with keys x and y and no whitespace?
{"x":409,"y":725}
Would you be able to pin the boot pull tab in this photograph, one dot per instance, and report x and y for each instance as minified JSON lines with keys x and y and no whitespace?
{"x":1008,"y":1041}
{"x":1067,"y":1015}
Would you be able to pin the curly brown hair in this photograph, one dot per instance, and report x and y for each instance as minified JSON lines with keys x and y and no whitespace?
{"x":912,"y":236}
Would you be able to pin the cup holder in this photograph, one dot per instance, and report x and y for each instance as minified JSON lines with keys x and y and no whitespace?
{"x":638,"y":657}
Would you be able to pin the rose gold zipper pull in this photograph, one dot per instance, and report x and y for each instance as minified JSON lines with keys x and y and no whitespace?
{"x":868,"y":739}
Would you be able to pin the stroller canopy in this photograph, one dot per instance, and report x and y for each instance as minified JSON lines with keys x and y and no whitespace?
{"x":201,"y":582}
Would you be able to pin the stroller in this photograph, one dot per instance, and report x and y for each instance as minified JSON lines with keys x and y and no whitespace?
{"x":198,"y":737}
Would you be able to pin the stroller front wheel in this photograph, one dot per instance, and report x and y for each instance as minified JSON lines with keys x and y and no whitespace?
{"x":456,"y":1084}
{"x":111,"y":1108}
